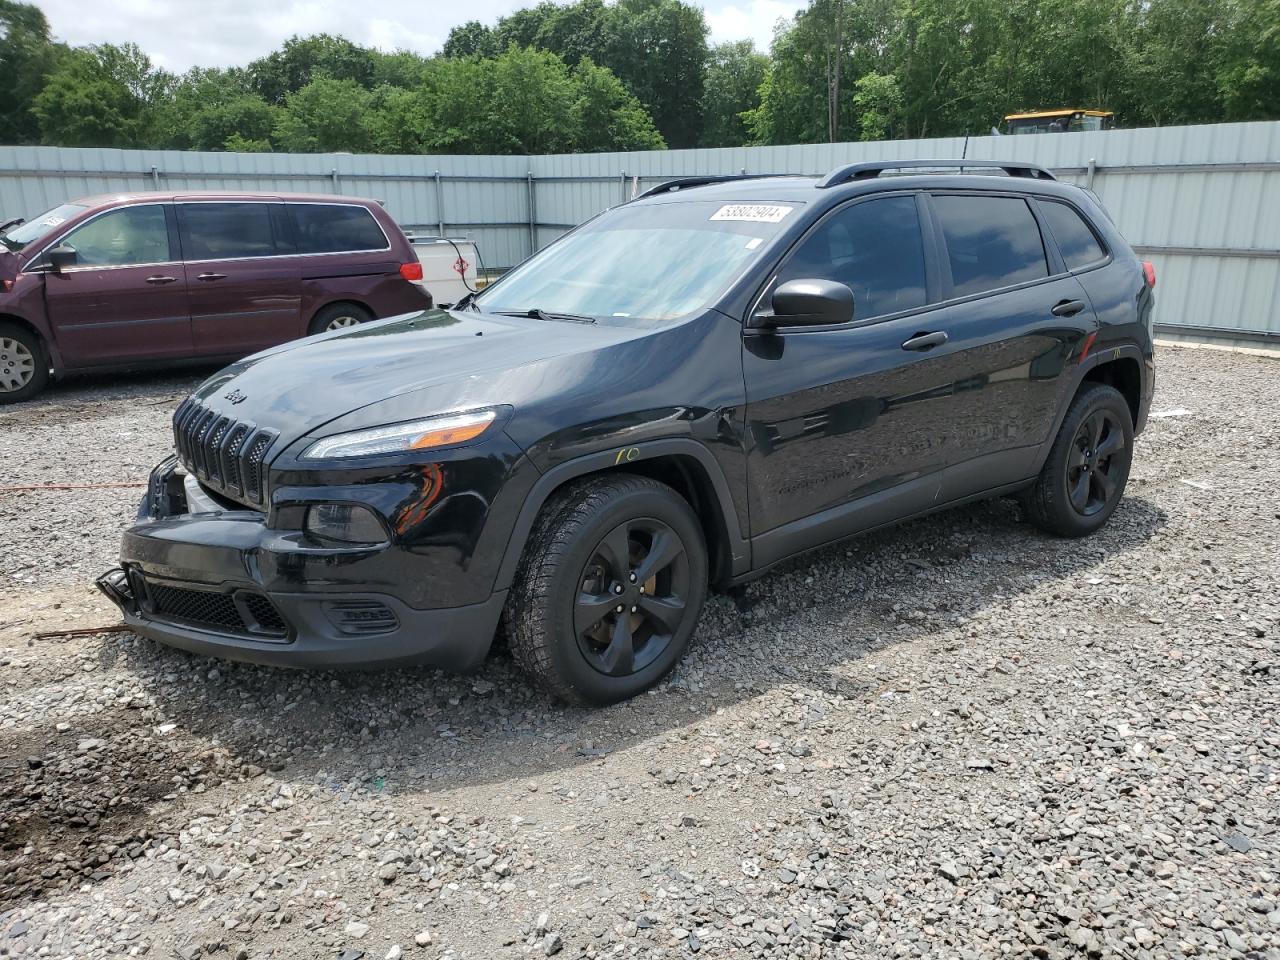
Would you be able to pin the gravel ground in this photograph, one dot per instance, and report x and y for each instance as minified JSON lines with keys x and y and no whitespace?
{"x":957,"y":738}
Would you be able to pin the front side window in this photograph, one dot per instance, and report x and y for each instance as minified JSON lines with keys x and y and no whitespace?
{"x":121,"y":238}
{"x":1077,"y":243}
{"x":992,"y":242}
{"x":874,"y":248}
{"x":226,"y":231}
{"x":335,"y":228}
{"x":647,"y":261}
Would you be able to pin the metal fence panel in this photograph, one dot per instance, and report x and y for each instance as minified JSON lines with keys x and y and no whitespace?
{"x":1202,"y":202}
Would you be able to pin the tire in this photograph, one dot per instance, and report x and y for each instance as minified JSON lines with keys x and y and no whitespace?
{"x":561,"y":617}
{"x":338,"y":316}
{"x":1084,"y":476}
{"x":24,"y":367}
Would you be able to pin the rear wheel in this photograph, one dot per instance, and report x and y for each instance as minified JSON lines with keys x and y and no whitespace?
{"x":338,"y":316}
{"x":24,"y":371}
{"x":609,"y":589}
{"x":1085,"y":474}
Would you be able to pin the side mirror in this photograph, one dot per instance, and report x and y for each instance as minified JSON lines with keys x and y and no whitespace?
{"x":808,"y":303}
{"x":61,"y":257}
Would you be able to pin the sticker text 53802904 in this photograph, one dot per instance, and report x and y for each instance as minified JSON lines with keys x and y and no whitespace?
{"x":752,"y":212}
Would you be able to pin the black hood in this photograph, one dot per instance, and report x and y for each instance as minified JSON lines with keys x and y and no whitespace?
{"x":413,"y":366}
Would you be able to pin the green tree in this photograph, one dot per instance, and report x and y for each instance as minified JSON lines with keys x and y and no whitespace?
{"x":735,"y":73}
{"x":470,"y":39}
{"x":210,"y":106}
{"x":606,"y":115}
{"x":27,"y":56}
{"x":104,"y":96}
{"x":1248,"y":75}
{"x":303,"y":59}
{"x":326,"y":115}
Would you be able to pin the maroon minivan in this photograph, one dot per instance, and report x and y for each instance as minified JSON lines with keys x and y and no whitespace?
{"x":129,"y":279}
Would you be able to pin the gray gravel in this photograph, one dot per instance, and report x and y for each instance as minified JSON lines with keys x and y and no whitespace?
{"x":955,"y":739}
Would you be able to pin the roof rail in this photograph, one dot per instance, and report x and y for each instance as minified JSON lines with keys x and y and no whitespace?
{"x":870,"y":169}
{"x":685,"y":183}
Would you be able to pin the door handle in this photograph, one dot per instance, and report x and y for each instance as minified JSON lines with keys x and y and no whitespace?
{"x":212,"y":276}
{"x":160,"y":281}
{"x":926,"y":341}
{"x":1067,"y":308}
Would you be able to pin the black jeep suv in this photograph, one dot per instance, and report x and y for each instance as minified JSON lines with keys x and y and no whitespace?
{"x":678,"y":394}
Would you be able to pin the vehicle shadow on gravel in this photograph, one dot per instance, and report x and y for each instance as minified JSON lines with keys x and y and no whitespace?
{"x":807,"y":624}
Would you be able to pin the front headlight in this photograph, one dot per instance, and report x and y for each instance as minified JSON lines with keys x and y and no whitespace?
{"x":443,"y":431}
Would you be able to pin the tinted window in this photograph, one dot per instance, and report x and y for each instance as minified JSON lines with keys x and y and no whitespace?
{"x":130,"y":235}
{"x":330,"y":228}
{"x":991,"y":242}
{"x":1076,"y":241}
{"x":874,"y":248}
{"x":226,"y":231}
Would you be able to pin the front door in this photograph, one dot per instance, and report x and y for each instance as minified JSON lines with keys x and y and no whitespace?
{"x":243,"y":282}
{"x":843,"y":423}
{"x":125,"y":297}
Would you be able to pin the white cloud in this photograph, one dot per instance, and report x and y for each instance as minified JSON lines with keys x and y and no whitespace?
{"x":179,"y":34}
{"x":754,"y":20}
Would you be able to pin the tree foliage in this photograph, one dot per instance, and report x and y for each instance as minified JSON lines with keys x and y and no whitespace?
{"x":592,"y":75}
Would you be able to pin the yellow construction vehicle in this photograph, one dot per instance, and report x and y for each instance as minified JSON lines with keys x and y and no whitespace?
{"x":1065,"y":120}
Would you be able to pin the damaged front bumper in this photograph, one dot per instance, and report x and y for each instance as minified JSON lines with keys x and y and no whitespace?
{"x":221,"y":582}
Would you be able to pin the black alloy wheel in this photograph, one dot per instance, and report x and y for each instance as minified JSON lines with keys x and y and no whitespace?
{"x":632,"y":597}
{"x":1091,"y":483}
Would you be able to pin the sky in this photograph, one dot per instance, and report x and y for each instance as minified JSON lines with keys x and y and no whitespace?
{"x":179,"y":34}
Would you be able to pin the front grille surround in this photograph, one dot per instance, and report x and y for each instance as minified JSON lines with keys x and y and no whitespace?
{"x":226,"y":455}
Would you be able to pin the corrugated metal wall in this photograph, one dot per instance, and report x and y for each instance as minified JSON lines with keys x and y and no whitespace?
{"x":1203,"y":202}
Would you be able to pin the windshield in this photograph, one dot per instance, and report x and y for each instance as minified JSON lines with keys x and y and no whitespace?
{"x":18,"y":237}
{"x":652,"y":261}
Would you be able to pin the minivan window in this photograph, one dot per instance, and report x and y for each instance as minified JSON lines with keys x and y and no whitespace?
{"x":874,"y":248}
{"x":1076,"y":242}
{"x":226,"y":231}
{"x":124,"y":237}
{"x":335,"y":228}
{"x":25,"y":233}
{"x":992,"y":242}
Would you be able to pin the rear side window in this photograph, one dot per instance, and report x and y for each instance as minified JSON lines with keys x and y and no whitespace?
{"x":335,"y":228}
{"x":874,"y":248}
{"x":992,"y":242}
{"x":1077,"y":243}
{"x":226,"y":231}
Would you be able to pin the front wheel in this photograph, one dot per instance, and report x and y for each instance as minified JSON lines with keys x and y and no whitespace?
{"x":609,"y":589}
{"x":1085,"y":474}
{"x":24,"y":371}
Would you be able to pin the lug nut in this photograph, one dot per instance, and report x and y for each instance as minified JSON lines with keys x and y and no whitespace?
{"x":618,"y":608}
{"x":634,"y":609}
{"x":617,"y":588}
{"x":633,"y":578}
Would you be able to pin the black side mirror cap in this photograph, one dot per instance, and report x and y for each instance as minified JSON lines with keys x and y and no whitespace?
{"x":808,"y":303}
{"x":61,"y":257}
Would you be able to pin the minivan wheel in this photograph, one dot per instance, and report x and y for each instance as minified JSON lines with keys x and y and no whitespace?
{"x":1084,"y":476}
{"x":609,"y":589}
{"x":338,"y":316}
{"x":24,"y":371}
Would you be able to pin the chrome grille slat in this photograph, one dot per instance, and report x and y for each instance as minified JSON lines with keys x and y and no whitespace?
{"x":224,"y":454}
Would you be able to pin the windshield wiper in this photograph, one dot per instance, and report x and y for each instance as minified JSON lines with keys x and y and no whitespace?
{"x":537,"y":313}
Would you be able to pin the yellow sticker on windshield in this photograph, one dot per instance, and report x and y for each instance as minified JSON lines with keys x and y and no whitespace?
{"x":752,"y":212}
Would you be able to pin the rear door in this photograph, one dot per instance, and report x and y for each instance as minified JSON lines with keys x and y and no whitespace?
{"x":1014,"y":322}
{"x":125,"y":298}
{"x":243,"y":280}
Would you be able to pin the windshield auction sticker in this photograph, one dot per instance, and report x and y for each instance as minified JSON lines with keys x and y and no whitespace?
{"x":752,"y":212}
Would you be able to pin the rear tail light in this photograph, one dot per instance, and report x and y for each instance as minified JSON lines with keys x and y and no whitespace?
{"x":412,"y":271}
{"x":1149,"y":271}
